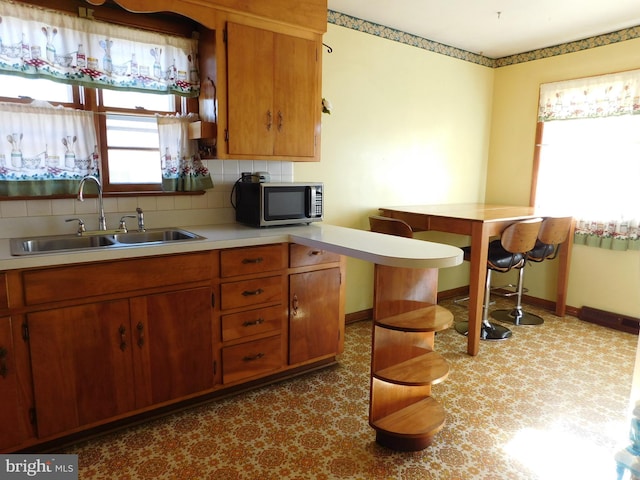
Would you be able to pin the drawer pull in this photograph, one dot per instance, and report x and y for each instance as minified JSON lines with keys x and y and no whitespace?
{"x":123,"y":339}
{"x":316,"y":252}
{"x":252,"y":260}
{"x":258,"y":321}
{"x":251,"y":293}
{"x":4,"y":371}
{"x":140,"y":328}
{"x":253,"y":358}
{"x":294,"y":305}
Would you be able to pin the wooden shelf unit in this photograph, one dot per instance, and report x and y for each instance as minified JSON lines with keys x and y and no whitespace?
{"x":404,"y":366}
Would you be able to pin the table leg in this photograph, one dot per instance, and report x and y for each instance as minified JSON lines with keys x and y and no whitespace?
{"x":477,"y":278}
{"x":564,"y":258}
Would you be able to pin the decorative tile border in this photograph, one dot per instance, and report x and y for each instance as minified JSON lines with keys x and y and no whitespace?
{"x":389,"y":33}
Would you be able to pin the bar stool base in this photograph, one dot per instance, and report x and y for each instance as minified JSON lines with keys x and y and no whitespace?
{"x":488,"y":332}
{"x":517,"y":318}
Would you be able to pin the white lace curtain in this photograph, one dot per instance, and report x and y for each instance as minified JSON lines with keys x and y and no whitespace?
{"x":182,"y":168}
{"x":45,"y":150}
{"x":606,"y":145}
{"x":46,"y":44}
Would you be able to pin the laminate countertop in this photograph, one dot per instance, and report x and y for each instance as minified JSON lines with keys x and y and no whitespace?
{"x":364,"y":245}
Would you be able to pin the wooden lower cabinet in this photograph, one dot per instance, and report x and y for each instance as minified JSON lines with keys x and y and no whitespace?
{"x":14,"y":412}
{"x":97,"y":361}
{"x":314,"y":315}
{"x":82,"y":364}
{"x":176,"y":342}
{"x":98,"y":343}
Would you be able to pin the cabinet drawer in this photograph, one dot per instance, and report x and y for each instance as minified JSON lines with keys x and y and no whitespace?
{"x":246,"y":293}
{"x":104,"y":278}
{"x":253,"y":322}
{"x":251,"y":359}
{"x":301,"y":256}
{"x":252,"y":260}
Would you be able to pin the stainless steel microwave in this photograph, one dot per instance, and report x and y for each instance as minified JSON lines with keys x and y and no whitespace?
{"x":266,"y":204}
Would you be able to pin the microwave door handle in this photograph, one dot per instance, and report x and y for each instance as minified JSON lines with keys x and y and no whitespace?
{"x":311,"y":200}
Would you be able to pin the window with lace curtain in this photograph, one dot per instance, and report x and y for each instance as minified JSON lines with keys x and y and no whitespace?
{"x":84,"y":97}
{"x":587,"y":159}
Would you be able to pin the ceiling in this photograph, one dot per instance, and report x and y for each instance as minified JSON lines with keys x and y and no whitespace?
{"x":497,"y":28}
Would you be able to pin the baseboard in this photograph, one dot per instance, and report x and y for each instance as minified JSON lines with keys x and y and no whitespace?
{"x":358,"y":316}
{"x":538,"y":302}
{"x":600,"y":317}
{"x":623,"y":323}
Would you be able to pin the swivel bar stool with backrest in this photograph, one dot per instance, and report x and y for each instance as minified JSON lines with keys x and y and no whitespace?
{"x":505,"y":254}
{"x":553,"y":232}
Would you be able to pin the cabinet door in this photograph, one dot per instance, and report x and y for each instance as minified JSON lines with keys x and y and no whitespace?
{"x":314,"y":314}
{"x":177,"y":337}
{"x":273,"y":83}
{"x":12,"y":414}
{"x":296,"y":95}
{"x":251,"y":119}
{"x":82,"y":365}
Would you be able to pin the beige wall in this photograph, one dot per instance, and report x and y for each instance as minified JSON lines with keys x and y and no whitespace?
{"x":601,"y":279}
{"x":411,"y":126}
{"x":408,"y":126}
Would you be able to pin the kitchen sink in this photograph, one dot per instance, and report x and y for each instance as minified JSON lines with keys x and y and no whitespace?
{"x":61,"y":243}
{"x":154,"y":236}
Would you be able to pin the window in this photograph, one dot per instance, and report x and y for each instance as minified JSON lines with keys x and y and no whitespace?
{"x":587,"y":157}
{"x":130,"y":148}
{"x":93,"y":96}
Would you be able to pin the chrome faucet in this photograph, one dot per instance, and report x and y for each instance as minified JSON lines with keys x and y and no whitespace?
{"x":140,"y":215}
{"x":102,"y":221}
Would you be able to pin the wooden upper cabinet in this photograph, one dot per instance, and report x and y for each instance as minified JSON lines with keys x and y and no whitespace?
{"x":273,"y":97}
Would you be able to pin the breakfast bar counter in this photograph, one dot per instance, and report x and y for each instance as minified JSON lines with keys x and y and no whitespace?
{"x":364,"y":245}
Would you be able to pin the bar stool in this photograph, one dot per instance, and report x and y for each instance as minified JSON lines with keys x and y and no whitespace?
{"x":553,"y":232}
{"x":505,"y":254}
{"x":390,"y":226}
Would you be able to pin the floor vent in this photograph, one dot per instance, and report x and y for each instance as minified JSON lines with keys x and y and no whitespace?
{"x":609,"y":319}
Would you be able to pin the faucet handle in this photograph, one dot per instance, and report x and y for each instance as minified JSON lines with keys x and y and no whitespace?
{"x":123,"y":223}
{"x":81,"y":227}
{"x":140,"y":215}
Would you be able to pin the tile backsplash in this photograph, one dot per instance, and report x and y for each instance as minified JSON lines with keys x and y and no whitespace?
{"x":47,"y":217}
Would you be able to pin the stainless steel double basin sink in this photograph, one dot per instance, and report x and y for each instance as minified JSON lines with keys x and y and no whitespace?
{"x":61,"y":243}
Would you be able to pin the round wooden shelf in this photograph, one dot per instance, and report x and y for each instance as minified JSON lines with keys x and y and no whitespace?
{"x":429,"y":368}
{"x":433,"y":318}
{"x":411,"y":428}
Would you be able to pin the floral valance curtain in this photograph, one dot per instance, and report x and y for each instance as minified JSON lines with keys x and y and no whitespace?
{"x":182,"y":168}
{"x":604,"y":142}
{"x":600,"y":96}
{"x":46,"y":150}
{"x":42,"y":43}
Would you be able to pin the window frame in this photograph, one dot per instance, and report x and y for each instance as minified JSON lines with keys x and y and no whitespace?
{"x":89,"y":99}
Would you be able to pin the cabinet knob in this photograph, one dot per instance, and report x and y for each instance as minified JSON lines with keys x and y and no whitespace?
{"x":255,"y":322}
{"x":140,"y":328}
{"x":269,"y":119}
{"x":252,"y":358}
{"x":251,"y":293}
{"x":123,"y":338}
{"x":246,"y":261}
{"x":4,"y":370}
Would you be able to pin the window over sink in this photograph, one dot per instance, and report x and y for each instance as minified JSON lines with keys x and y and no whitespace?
{"x":124,"y":98}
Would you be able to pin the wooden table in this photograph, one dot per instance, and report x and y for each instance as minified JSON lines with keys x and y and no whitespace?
{"x":481,"y":222}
